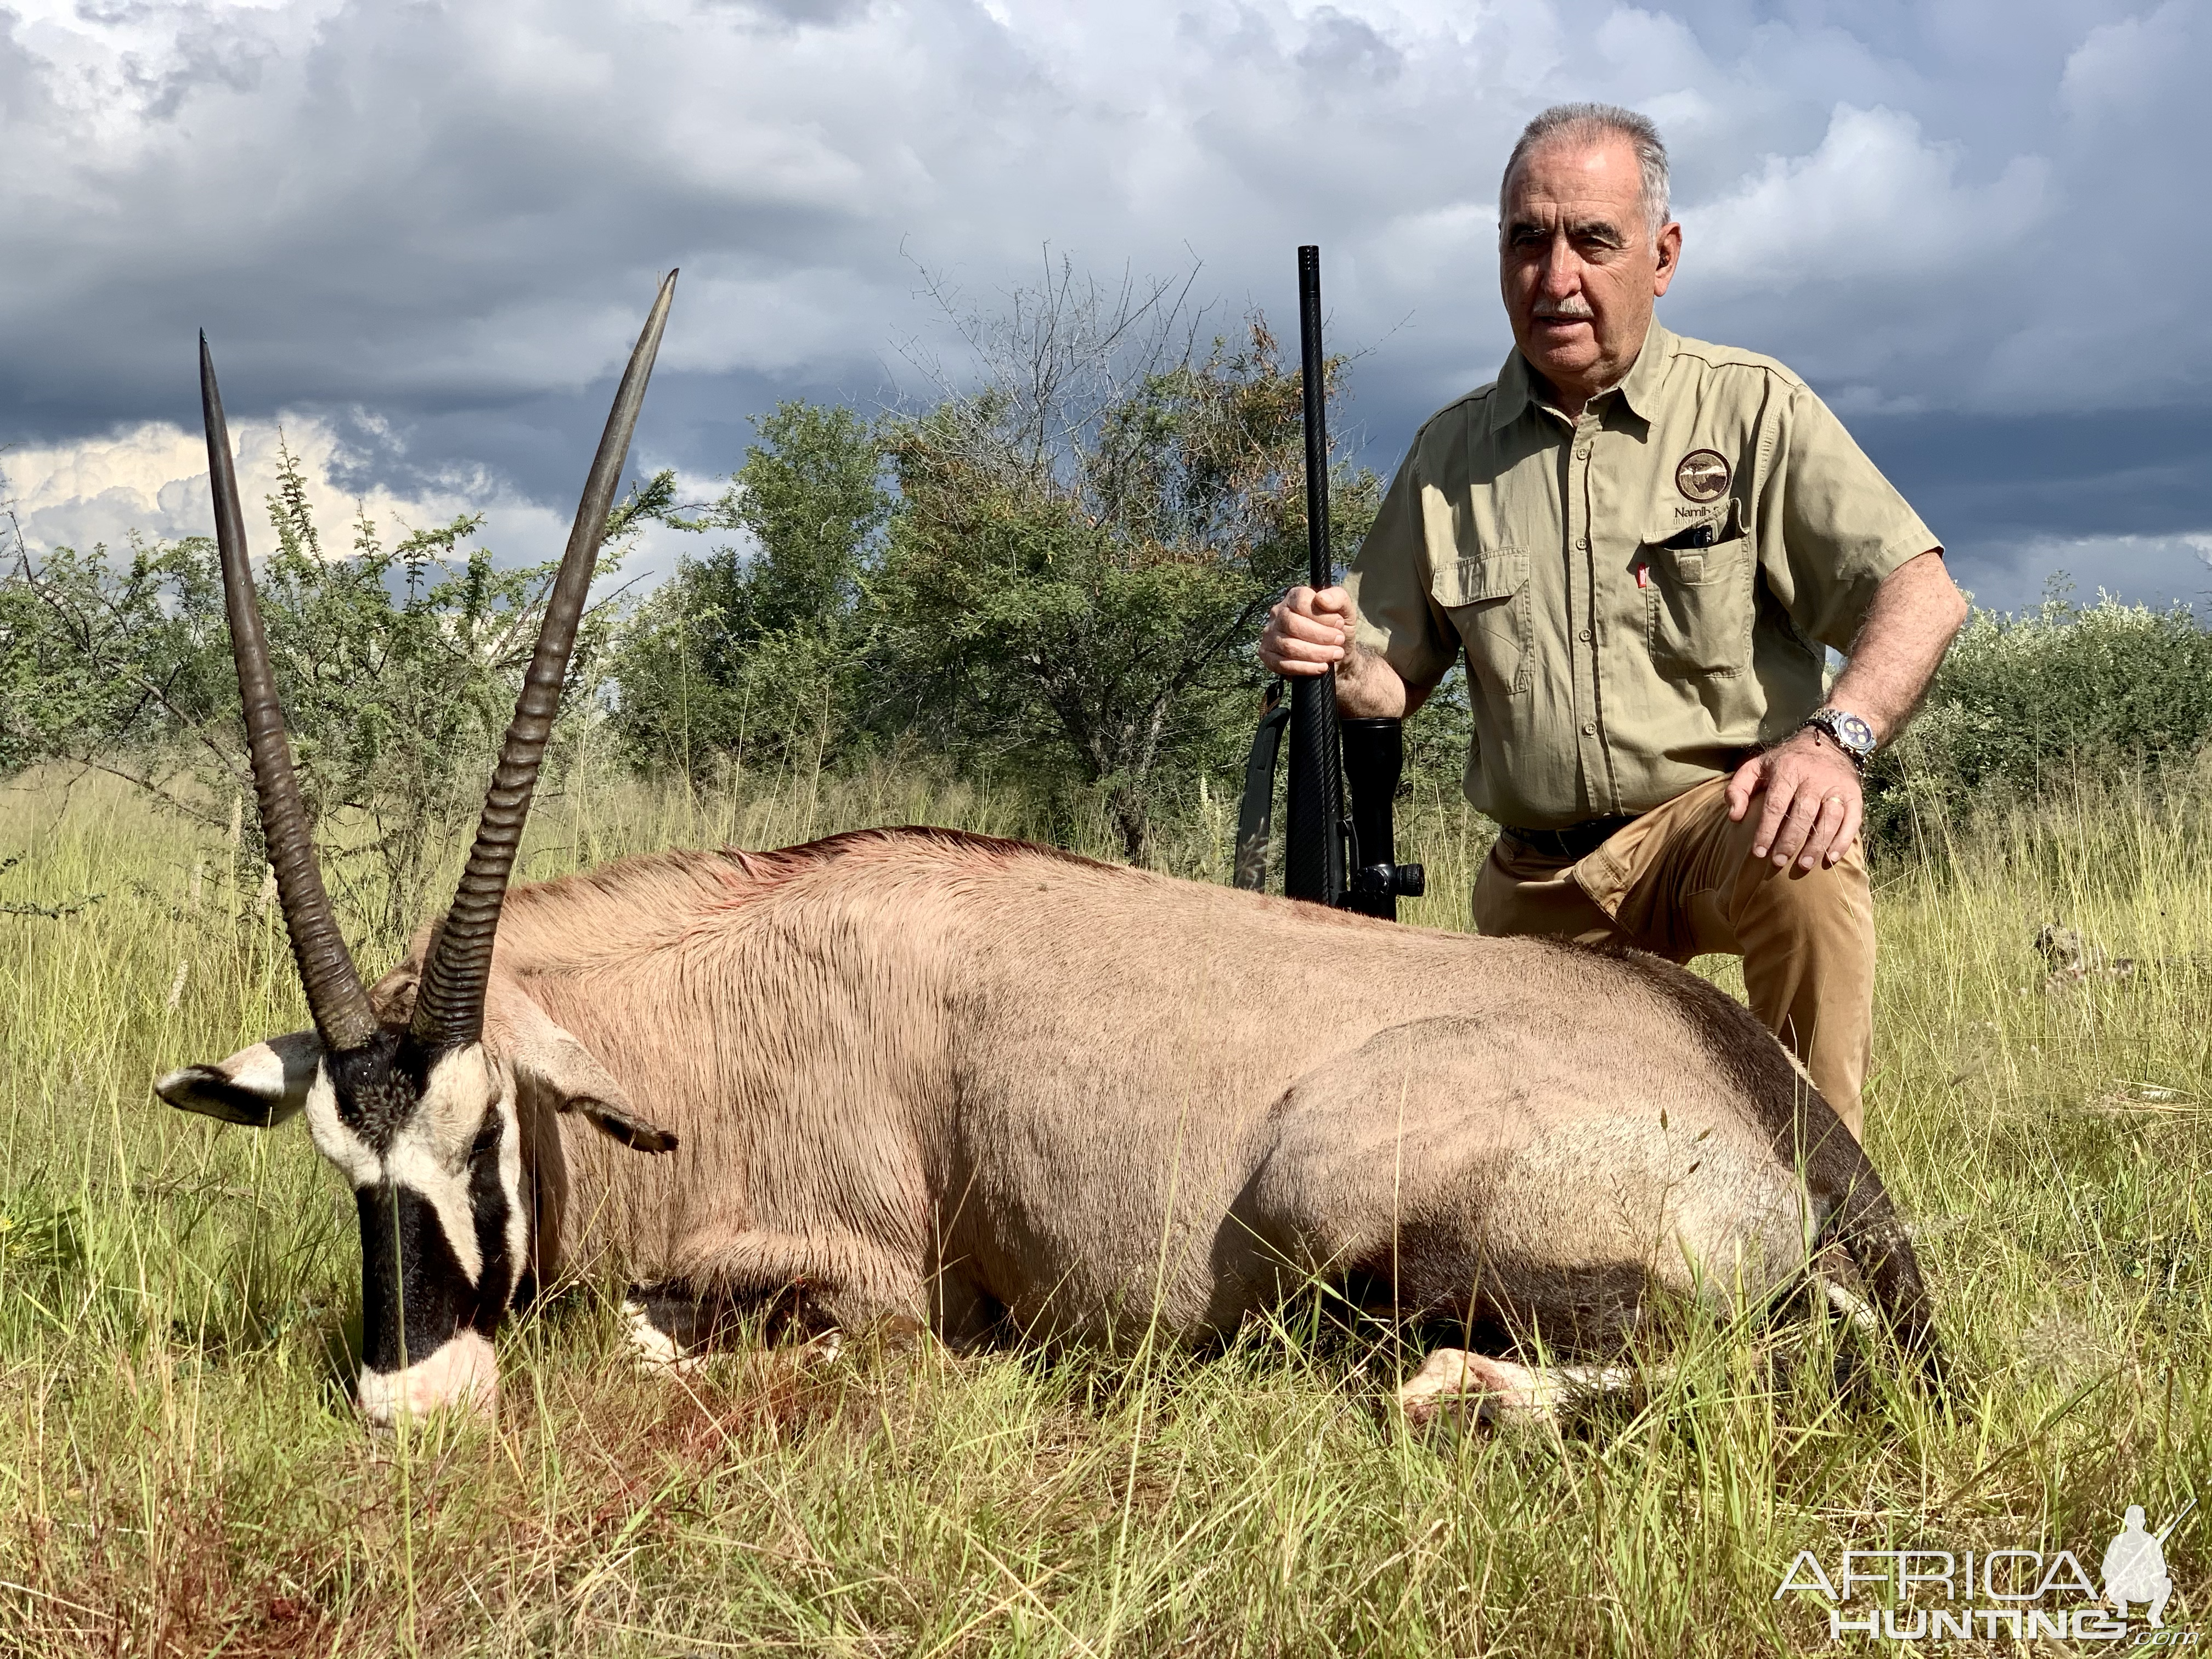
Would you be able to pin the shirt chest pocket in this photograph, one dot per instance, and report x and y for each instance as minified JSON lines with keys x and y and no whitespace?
{"x":1486,"y":597}
{"x":1698,"y":605}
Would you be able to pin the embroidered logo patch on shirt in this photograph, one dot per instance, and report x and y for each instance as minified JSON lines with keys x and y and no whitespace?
{"x":1702,"y":475}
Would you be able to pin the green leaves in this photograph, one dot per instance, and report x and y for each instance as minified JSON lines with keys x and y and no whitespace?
{"x":1052,"y":574}
{"x":397,"y":666}
{"x":2023,"y":701}
{"x":1083,"y":559}
{"x":751,"y":651}
{"x":98,"y":653}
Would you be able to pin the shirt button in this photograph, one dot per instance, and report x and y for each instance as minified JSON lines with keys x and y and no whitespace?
{"x":1590,"y":728}
{"x":1582,"y":454}
{"x":1583,"y":542}
{"x":1584,"y":636}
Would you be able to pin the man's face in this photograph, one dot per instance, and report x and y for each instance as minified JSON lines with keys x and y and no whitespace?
{"x":1578,"y":263}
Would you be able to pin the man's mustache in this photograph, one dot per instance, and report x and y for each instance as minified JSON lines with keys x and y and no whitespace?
{"x":1574,"y":306}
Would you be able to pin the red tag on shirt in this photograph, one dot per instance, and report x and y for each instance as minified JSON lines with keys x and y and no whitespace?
{"x":1643,"y":575}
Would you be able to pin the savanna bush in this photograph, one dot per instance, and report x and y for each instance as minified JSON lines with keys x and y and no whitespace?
{"x":2064,"y":690}
{"x":1050,"y":574}
{"x":398,"y":666}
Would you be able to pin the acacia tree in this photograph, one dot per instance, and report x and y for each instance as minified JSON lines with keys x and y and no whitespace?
{"x":1088,"y":540}
{"x":397,"y":666}
{"x":103,"y":657}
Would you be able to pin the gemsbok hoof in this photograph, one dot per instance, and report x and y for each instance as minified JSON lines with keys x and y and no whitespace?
{"x":1478,"y":1388}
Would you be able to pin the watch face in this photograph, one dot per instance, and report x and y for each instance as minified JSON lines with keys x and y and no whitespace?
{"x":1850,"y":730}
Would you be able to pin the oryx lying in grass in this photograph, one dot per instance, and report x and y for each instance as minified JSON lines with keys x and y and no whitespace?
{"x":918,"y":1074}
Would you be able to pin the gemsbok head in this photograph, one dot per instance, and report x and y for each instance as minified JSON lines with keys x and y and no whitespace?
{"x":419,"y":1115}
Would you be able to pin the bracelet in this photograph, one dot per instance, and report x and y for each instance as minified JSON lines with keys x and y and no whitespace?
{"x":1848,"y":732}
{"x":1858,"y":760}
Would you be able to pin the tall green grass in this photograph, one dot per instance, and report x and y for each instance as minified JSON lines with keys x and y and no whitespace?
{"x":180,"y":1473}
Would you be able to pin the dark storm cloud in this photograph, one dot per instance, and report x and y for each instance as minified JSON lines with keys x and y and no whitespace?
{"x":430,"y":228}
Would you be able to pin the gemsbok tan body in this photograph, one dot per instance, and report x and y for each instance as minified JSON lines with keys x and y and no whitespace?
{"x":1001,"y":1089}
{"x":925,"y":1074}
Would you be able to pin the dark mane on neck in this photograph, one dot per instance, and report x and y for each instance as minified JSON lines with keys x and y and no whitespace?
{"x":785,"y":862}
{"x":711,"y":875}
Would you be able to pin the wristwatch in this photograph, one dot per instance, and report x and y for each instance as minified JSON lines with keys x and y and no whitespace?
{"x":1850,"y":734}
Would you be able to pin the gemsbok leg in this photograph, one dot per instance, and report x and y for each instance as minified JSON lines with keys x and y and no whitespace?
{"x":1544,"y":1213}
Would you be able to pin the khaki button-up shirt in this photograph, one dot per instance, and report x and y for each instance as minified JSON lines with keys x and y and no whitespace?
{"x":1642,"y":593}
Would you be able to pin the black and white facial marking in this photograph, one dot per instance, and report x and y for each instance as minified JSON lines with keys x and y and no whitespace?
{"x":431,"y":1146}
{"x":430,"y":1141}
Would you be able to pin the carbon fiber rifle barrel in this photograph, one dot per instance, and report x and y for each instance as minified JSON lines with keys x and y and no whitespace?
{"x":1313,"y":817}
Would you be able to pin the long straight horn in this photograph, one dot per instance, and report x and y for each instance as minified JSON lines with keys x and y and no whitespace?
{"x":449,"y":1007}
{"x":335,"y":997}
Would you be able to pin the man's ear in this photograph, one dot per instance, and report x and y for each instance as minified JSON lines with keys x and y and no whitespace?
{"x":552,"y":1066}
{"x":258,"y":1086}
{"x":1667,"y":249}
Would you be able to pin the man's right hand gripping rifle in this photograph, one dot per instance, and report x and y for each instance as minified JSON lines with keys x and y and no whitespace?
{"x":1309,"y":632}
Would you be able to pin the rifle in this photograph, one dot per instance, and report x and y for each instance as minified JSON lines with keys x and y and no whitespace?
{"x":1330,"y":857}
{"x":2166,"y":1531}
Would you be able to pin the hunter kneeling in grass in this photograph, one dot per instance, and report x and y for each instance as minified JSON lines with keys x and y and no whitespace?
{"x":1643,"y":543}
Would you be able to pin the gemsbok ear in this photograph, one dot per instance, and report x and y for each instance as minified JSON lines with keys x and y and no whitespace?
{"x":618,"y":1123}
{"x":258,"y":1086}
{"x":552,"y":1067}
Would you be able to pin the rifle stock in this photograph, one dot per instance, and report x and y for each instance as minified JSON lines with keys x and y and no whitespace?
{"x":1374,"y":760}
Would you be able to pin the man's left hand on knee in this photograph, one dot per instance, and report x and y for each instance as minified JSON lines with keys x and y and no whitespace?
{"x":1813,"y":805}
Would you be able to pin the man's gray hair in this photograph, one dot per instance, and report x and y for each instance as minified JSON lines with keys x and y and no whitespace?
{"x":1590,"y":123}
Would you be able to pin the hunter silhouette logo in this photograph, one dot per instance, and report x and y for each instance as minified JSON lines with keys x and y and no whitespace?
{"x":2135,"y":1566}
{"x":1935,"y":1594}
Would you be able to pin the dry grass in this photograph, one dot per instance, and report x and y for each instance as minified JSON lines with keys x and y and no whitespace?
{"x":179,"y":1474}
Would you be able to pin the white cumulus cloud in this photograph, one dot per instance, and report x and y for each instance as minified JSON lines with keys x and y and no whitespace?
{"x":150,"y":481}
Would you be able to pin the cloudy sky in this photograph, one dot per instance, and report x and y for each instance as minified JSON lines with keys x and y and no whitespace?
{"x":421,"y":235}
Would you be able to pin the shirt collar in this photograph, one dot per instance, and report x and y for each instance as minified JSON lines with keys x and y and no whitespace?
{"x":1638,"y":388}
{"x":1515,"y":390}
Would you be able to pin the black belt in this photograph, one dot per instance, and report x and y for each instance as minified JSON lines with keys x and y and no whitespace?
{"x":1576,"y":841}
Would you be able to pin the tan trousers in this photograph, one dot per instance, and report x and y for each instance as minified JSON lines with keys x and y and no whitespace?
{"x":1680,"y":882}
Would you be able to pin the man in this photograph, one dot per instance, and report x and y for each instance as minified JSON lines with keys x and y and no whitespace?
{"x":2135,"y":1570}
{"x":1643,"y":544}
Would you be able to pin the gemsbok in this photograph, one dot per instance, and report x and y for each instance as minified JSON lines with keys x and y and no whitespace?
{"x":918,"y":1075}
